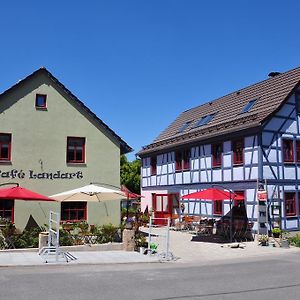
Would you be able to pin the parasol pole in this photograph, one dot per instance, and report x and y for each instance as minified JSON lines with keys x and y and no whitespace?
{"x":127,"y":206}
{"x":231,"y":218}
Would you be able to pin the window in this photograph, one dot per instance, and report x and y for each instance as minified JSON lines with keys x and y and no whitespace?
{"x":182,"y":159}
{"x":218,"y":207}
{"x":204,"y":120}
{"x":217,"y":150}
{"x":287,"y":148}
{"x":75,"y":150}
{"x":239,"y":202}
{"x":186,"y":159}
{"x":5,"y":147}
{"x":297,"y":94}
{"x":290,"y":204}
{"x":7,"y":209}
{"x":178,"y":159}
{"x":238,"y":151}
{"x":40,"y":101}
{"x":248,"y":106}
{"x":153,"y":165}
{"x":184,"y":127}
{"x":298,"y":151}
{"x":73,"y":211}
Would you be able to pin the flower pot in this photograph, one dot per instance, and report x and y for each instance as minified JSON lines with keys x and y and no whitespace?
{"x":264,"y":243}
{"x":284,"y":244}
{"x":129,"y":225}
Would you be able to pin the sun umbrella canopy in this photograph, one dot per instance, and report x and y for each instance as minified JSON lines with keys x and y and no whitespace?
{"x":213,"y":194}
{"x":129,"y":194}
{"x":20,"y":193}
{"x":90,"y":192}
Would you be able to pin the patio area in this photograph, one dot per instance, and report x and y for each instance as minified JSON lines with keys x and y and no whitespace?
{"x":188,"y":247}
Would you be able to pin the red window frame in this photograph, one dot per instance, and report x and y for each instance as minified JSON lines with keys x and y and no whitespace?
{"x":186,"y":157}
{"x":43,"y":97}
{"x":71,"y":211}
{"x":298,"y":151}
{"x":70,"y":141}
{"x":288,"y":150}
{"x":238,"y":151}
{"x":217,"y":150}
{"x":153,"y":165}
{"x":290,"y":203}
{"x":218,"y":207}
{"x":7,"y":207}
{"x":5,"y":144}
{"x":239,"y":193}
{"x":183,"y":160}
{"x":178,"y":160}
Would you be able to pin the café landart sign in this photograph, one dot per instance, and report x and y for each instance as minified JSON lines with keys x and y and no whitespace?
{"x":30,"y":174}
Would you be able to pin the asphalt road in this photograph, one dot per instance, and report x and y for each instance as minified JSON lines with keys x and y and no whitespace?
{"x":264,"y":278}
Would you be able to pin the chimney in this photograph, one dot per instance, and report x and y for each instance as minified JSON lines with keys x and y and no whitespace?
{"x":273,"y":74}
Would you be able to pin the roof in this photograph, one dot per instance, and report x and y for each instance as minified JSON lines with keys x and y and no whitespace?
{"x":270,"y":95}
{"x":125,"y":148}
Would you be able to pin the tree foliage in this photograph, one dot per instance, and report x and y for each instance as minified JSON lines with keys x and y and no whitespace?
{"x":130,"y":173}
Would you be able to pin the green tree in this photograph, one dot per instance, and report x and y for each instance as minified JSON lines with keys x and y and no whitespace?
{"x":130,"y":173}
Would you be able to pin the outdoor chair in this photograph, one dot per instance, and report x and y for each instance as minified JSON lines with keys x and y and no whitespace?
{"x":188,"y":223}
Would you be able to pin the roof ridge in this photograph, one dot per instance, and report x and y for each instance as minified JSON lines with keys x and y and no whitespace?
{"x":241,"y":89}
{"x":123,"y":144}
{"x":270,"y":93}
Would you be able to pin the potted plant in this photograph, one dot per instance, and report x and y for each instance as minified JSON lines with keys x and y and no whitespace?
{"x":276,"y":232}
{"x":285,"y":240}
{"x":129,"y":223}
{"x":263,"y":240}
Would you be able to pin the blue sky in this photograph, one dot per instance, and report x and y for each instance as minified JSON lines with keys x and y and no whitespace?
{"x":137,"y":64}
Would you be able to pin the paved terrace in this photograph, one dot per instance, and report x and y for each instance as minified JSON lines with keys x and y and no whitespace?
{"x":187,"y":247}
{"x":183,"y":245}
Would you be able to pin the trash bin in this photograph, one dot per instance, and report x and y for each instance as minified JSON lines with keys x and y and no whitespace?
{"x":43,"y":239}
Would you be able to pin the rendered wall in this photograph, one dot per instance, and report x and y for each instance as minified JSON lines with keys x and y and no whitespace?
{"x":39,"y":140}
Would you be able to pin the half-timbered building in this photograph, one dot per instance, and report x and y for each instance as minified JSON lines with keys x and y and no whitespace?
{"x":251,"y":135}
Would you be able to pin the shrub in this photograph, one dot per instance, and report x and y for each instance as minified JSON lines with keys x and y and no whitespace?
{"x":65,"y":239}
{"x":28,"y":238}
{"x":276,"y":232}
{"x":140,"y":240}
{"x":295,"y":240}
{"x":107,"y":233}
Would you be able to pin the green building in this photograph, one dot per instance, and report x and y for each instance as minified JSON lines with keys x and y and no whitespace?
{"x":51,"y":142}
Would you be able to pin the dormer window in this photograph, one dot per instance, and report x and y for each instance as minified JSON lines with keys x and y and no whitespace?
{"x":184,"y":127}
{"x":204,"y":120}
{"x":248,"y":106}
{"x":40,"y":101}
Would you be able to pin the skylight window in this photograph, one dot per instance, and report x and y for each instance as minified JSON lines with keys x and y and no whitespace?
{"x":184,"y":127}
{"x":248,"y":106}
{"x":204,"y":120}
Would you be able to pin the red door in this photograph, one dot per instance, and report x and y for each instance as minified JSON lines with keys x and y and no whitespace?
{"x":163,"y":207}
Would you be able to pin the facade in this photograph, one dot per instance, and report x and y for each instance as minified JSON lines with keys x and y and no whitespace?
{"x":51,"y":142}
{"x":248,"y":137}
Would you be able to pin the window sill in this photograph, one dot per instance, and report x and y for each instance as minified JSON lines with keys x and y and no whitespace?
{"x":74,"y":164}
{"x":238,"y":164}
{"x":5,"y":162}
{"x":217,"y":167}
